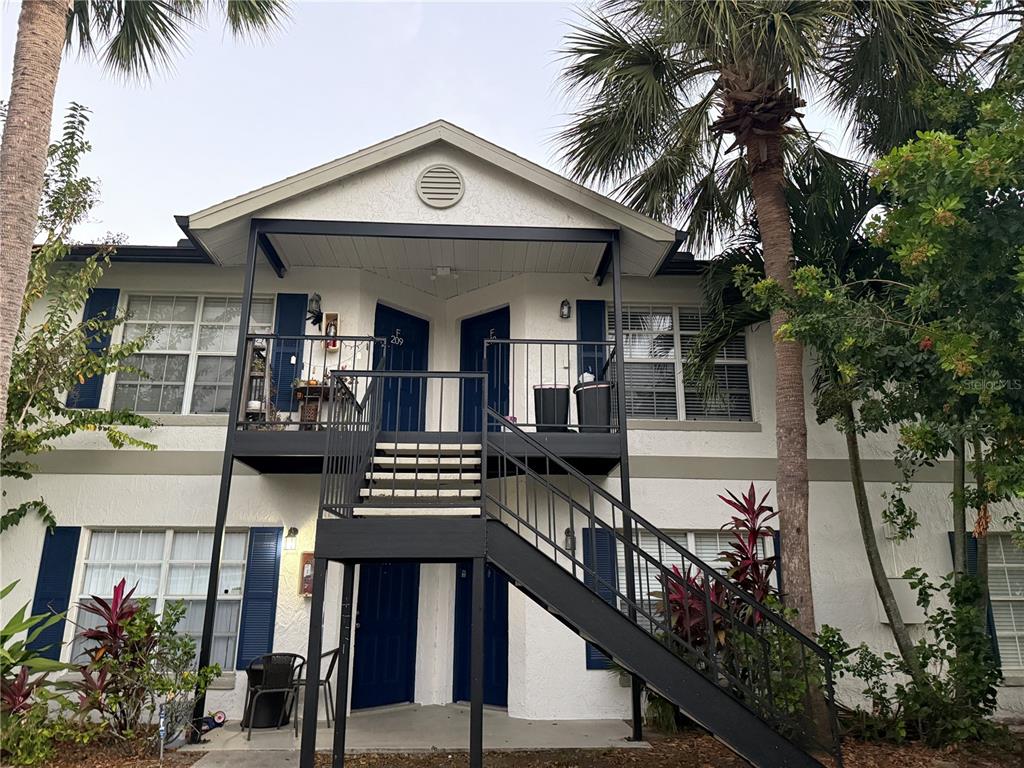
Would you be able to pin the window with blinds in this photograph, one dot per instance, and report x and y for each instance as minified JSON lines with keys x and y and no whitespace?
{"x":165,"y":566}
{"x":704,"y":544}
{"x":657,"y":340}
{"x":1006,"y":591}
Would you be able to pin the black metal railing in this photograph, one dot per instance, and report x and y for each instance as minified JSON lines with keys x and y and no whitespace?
{"x":553,"y":386}
{"x":401,"y":444}
{"x":285,"y":379}
{"x":743,"y":646}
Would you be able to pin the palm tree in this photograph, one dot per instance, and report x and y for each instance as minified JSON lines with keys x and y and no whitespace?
{"x":693,"y":109}
{"x":828,"y":233}
{"x":130,"y":37}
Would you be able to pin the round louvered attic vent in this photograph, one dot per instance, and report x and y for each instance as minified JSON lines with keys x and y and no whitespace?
{"x":440,"y":186}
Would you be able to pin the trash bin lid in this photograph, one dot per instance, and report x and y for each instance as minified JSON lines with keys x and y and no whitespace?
{"x":550,"y":386}
{"x":593,"y":385}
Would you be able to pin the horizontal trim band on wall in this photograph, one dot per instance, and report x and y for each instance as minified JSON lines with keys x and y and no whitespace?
{"x":732,"y":468}
{"x":133,"y":462}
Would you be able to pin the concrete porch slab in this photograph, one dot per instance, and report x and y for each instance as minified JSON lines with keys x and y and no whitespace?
{"x":414,"y":728}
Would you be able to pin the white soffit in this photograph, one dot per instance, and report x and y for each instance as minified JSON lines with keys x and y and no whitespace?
{"x":439,"y":267}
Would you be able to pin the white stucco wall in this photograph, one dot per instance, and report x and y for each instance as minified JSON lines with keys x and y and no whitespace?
{"x":677,"y":474}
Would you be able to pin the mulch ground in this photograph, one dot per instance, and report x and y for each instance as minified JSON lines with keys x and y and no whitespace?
{"x":696,"y":751}
{"x":118,"y":755}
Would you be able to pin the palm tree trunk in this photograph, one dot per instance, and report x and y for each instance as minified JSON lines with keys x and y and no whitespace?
{"x":791,"y":488}
{"x":867,"y":533}
{"x":37,"y":55}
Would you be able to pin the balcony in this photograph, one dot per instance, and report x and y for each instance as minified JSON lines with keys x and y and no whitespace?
{"x":295,"y":387}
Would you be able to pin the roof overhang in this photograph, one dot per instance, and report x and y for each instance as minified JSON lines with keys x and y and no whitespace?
{"x":222,"y":229}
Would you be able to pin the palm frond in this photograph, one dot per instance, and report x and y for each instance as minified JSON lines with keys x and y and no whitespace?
{"x":630,"y":84}
{"x":135,"y":38}
{"x":254,"y":18}
{"x":881,"y":55}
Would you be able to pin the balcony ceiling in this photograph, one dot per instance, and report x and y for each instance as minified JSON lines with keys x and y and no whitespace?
{"x":470,"y":264}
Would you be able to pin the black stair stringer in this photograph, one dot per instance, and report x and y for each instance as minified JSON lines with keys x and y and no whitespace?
{"x":584,"y":611}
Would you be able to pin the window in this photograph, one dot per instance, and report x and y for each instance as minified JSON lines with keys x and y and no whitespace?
{"x":704,"y":544}
{"x":1006,"y":590}
{"x":169,"y":566}
{"x":189,"y":360}
{"x":657,"y":340}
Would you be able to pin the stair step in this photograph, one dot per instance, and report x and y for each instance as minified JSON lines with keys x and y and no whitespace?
{"x":392,"y":511}
{"x":422,"y":448}
{"x":409,"y":493}
{"x":408,"y":461}
{"x":420,"y":475}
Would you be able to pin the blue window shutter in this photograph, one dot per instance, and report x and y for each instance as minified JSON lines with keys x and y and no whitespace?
{"x":289,"y":320}
{"x":102,"y":303}
{"x":590,"y":316}
{"x":602,"y":576}
{"x":777,"y":546}
{"x":259,"y":600}
{"x":53,"y":585}
{"x":972,"y":570}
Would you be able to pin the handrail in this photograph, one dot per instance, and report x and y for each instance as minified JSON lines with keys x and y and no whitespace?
{"x":737,"y":612}
{"x":657,"y":532}
{"x":315,"y":337}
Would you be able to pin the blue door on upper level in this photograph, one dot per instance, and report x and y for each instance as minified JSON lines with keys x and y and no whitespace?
{"x":475,"y":330}
{"x":384,"y":668}
{"x":495,"y":633}
{"x":408,"y":338}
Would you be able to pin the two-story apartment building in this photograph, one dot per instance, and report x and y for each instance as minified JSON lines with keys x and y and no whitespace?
{"x":540,"y":331}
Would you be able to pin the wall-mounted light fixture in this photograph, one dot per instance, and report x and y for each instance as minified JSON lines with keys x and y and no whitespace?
{"x":565,"y":309}
{"x":570,"y":541}
{"x":291,"y":538}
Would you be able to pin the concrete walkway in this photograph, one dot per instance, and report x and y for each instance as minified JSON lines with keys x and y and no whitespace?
{"x":412,"y":728}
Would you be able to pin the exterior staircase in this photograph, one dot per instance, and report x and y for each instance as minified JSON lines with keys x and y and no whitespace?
{"x":440,"y":472}
{"x":731,"y":664}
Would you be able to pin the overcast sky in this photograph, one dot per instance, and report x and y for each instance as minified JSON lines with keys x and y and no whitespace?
{"x":232,"y":116}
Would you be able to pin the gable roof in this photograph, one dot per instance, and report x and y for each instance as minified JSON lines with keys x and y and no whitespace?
{"x":249,"y":203}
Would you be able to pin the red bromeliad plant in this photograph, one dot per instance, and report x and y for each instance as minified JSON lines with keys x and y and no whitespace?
{"x":689,"y":595}
{"x":688,"y":602}
{"x":112,"y":634}
{"x":16,"y":692}
{"x":749,"y":567}
{"x":112,"y":683}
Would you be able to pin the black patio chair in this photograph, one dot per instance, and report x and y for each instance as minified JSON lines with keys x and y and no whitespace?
{"x":274,"y":673}
{"x":324,"y":682}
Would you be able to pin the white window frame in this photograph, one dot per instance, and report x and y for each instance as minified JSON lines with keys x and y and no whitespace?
{"x":194,"y":353}
{"x":161,"y":598}
{"x":1004,"y":541}
{"x":676,"y":359}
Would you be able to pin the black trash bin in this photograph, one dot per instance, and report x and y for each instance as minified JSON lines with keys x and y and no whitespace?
{"x":551,"y":404}
{"x":594,"y":405}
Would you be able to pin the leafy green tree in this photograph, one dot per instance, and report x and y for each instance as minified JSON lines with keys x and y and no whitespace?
{"x":935,"y":351}
{"x":55,"y":353}
{"x":828,"y":233}
{"x":131,"y":38}
{"x":693,"y":109}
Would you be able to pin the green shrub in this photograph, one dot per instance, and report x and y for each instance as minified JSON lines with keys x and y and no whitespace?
{"x":956,"y":702}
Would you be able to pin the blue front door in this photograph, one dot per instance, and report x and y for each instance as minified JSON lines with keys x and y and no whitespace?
{"x":408,"y":337}
{"x":385,"y":648}
{"x":495,"y":633}
{"x":490,"y":325}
